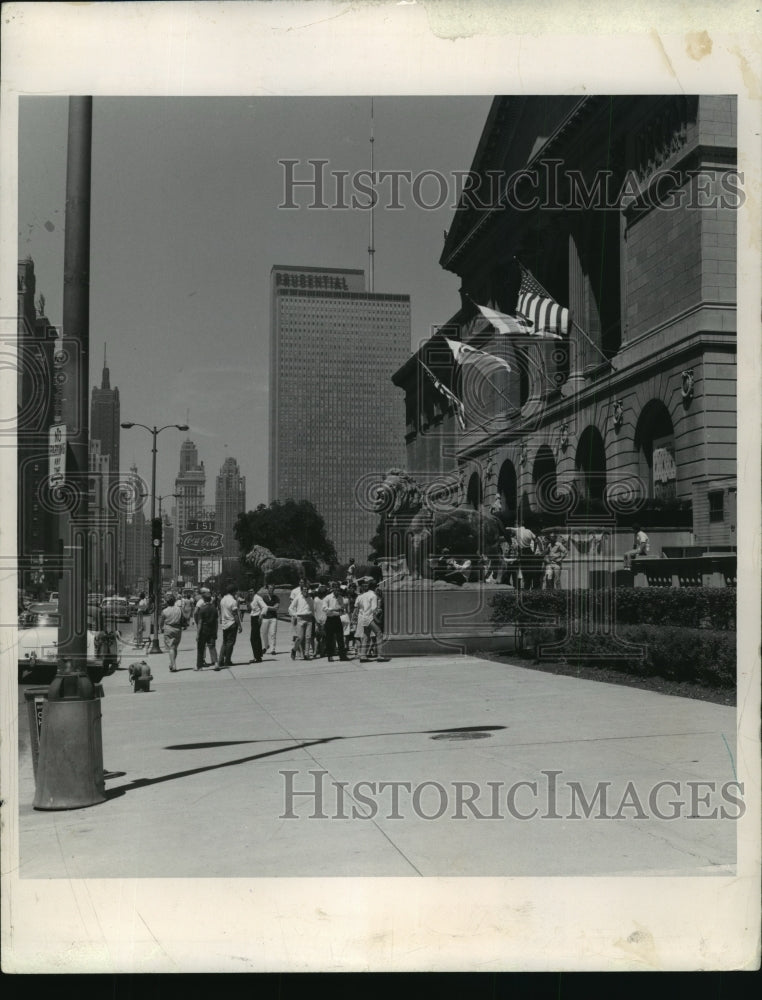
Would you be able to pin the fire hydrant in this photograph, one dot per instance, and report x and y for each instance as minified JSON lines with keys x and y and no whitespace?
{"x":140,"y":676}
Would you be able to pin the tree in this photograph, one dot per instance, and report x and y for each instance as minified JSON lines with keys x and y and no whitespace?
{"x":290,"y":530}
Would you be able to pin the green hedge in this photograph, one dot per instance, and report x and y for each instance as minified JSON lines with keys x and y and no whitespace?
{"x":690,"y":607}
{"x":704,"y":656}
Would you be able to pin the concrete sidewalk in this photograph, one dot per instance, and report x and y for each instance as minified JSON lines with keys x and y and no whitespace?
{"x":208,"y":768}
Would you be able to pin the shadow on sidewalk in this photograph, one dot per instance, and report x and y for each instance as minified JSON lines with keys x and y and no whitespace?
{"x":114,"y":793}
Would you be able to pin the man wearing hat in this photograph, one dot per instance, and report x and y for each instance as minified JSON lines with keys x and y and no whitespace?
{"x":206,"y":624}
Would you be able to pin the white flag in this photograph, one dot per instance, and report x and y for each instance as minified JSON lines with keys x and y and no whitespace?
{"x":506,"y":324}
{"x":462,"y":352}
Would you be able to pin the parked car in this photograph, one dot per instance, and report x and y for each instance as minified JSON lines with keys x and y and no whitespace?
{"x":38,"y":649}
{"x":117,"y":608}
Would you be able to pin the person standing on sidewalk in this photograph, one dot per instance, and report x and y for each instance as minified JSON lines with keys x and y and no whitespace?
{"x":172,"y":627}
{"x":302,"y":613}
{"x":230,"y":623}
{"x":334,"y":606}
{"x":258,"y":609}
{"x":367,"y":626}
{"x":269,"y":628}
{"x":142,"y":610}
{"x":207,"y":620}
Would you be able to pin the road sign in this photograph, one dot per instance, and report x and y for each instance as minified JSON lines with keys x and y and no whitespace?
{"x":57,"y":454}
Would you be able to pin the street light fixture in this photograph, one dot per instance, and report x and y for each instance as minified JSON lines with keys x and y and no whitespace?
{"x":155,"y":556}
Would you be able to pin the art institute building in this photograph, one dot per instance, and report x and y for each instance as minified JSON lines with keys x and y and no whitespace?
{"x":621,"y":210}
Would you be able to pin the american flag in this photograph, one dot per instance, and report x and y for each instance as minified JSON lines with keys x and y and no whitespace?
{"x":547,"y":317}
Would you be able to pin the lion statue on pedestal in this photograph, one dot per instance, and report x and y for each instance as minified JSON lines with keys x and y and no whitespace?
{"x":426,"y":525}
{"x":276,"y":570}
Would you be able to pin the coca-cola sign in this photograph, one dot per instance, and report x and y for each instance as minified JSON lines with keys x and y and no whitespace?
{"x":201,"y":541}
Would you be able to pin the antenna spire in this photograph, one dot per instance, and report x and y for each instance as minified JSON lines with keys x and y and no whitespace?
{"x":372,"y":247}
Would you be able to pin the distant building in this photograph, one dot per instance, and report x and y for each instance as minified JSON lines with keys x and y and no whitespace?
{"x":190,"y":487}
{"x":230,"y":501}
{"x":137,"y":538}
{"x":335,"y":417}
{"x":105,"y":410}
{"x":104,"y":532}
{"x":37,"y":536}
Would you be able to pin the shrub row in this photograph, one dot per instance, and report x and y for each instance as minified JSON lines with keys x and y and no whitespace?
{"x":704,"y":656}
{"x":691,"y":607}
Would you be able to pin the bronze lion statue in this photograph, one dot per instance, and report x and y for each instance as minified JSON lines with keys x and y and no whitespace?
{"x":276,"y":570}
{"x":431,"y":522}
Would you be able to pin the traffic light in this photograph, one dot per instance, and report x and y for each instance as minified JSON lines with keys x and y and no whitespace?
{"x":156,"y":532}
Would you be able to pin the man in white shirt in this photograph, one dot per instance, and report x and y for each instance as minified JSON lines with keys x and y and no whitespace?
{"x":258,"y":609}
{"x":230,"y":623}
{"x":302,"y":613}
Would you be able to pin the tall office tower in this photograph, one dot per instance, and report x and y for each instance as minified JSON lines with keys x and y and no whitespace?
{"x":104,"y":427}
{"x":38,"y":528}
{"x":229,"y":502}
{"x":335,"y":416}
{"x":190,"y":487}
{"x":104,"y":419}
{"x":137,"y":541}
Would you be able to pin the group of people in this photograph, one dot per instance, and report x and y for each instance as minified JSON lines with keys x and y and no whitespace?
{"x":343,"y":619}
{"x":527,"y":561}
{"x":337,"y":621}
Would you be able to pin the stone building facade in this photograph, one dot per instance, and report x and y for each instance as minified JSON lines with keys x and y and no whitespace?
{"x":623,"y":210}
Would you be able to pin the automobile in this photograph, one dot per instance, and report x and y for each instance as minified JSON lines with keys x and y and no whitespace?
{"x":42,"y":612}
{"x":53,"y":596}
{"x":95,"y":599}
{"x":117,"y":608}
{"x":38,"y":650}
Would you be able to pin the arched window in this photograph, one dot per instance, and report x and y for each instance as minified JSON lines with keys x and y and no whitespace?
{"x":590,"y":462}
{"x":474,"y":491}
{"x":544,"y":477}
{"x":655,"y":443}
{"x":507,"y":489}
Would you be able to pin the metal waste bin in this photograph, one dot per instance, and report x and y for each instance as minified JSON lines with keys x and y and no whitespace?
{"x":36,"y":700}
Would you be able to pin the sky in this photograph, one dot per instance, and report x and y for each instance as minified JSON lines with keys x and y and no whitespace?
{"x":186,"y":225}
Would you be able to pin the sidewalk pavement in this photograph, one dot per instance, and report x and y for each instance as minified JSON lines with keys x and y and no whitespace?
{"x":202,"y":767}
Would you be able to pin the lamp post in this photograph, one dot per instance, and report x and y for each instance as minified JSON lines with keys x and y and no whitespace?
{"x":155,"y":555}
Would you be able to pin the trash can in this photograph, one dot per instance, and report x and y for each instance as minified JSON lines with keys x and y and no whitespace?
{"x":67,"y":755}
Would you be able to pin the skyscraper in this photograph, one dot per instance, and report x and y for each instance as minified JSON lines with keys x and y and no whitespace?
{"x":104,"y":419}
{"x":229,"y":502}
{"x":37,"y":525}
{"x":104,"y":428}
{"x":190,"y":487}
{"x":335,"y":417}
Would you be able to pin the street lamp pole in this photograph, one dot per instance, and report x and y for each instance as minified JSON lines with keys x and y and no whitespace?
{"x":156,"y":544}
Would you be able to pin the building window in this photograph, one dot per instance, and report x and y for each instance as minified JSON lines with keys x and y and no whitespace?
{"x":716,"y":506}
